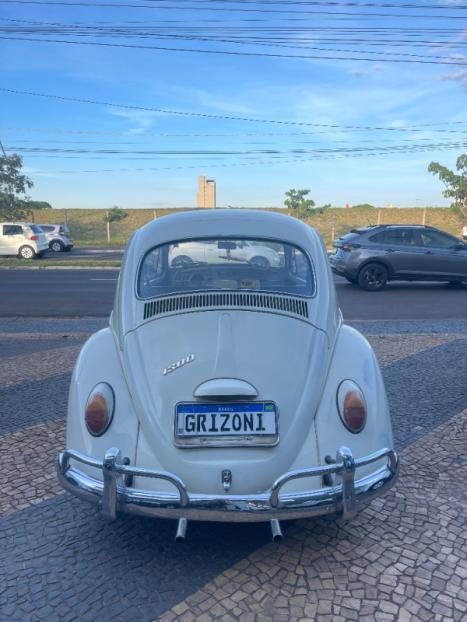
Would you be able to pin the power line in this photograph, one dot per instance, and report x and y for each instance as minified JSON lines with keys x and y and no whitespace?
{"x":250,"y":41}
{"x":224,"y":117}
{"x":318,"y":157}
{"x":236,"y":53}
{"x":221,"y":9}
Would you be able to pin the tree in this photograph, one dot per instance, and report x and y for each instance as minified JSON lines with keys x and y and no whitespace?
{"x":324,"y":208}
{"x":14,"y":204}
{"x":296,"y":200}
{"x":115,"y":214}
{"x":39,"y":205}
{"x":455,"y":183}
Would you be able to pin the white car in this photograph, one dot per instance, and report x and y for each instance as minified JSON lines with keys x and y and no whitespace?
{"x":227,"y":391}
{"x":22,"y":239}
{"x":58,"y":237}
{"x":212,"y":251}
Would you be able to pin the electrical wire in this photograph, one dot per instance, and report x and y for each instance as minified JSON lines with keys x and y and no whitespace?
{"x":225,"y":117}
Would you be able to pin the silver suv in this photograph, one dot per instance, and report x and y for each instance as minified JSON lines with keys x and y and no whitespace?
{"x":372,"y":256}
{"x":58,"y":237}
{"x":22,"y":239}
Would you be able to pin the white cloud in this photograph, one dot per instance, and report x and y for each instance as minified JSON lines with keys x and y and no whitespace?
{"x":458,"y":76}
{"x":143,"y":119}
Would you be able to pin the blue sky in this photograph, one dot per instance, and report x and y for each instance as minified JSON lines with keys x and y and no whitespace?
{"x":369,"y":93}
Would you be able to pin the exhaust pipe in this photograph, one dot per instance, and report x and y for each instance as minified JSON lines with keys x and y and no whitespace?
{"x":181,"y":530}
{"x":276,"y":531}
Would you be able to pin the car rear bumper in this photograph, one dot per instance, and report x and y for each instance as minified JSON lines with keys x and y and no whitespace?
{"x":344,"y":496}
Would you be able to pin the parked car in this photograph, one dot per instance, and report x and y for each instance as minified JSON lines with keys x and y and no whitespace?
{"x":22,"y":239}
{"x":227,"y":391}
{"x":372,"y":256}
{"x":58,"y":237}
{"x":208,"y":251}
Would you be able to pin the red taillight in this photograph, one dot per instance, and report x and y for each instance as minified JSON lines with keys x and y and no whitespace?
{"x":34,"y":237}
{"x":351,"y":405}
{"x":348,"y":247}
{"x":99,"y":409}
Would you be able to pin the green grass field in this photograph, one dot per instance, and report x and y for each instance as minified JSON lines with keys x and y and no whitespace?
{"x":88,"y":227}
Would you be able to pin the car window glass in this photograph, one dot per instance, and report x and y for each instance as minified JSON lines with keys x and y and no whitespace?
{"x":12,"y":230}
{"x":225,"y":264}
{"x":400,"y":237}
{"x":378,"y":237}
{"x":35,"y":229}
{"x":436,"y":239}
{"x":47,"y":228}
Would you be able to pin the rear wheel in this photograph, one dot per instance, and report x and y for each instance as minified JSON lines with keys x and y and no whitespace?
{"x":373,"y":277}
{"x":56,"y":246}
{"x":259,"y":262}
{"x":26,"y":252}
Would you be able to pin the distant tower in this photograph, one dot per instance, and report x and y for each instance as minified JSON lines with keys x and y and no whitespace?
{"x":206,"y":196}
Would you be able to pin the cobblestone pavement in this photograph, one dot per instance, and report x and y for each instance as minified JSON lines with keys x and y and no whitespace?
{"x":403,"y":557}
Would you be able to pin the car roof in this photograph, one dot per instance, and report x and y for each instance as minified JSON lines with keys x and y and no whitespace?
{"x":210,"y":223}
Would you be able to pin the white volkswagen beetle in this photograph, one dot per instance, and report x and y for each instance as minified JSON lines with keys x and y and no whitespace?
{"x":224,"y":390}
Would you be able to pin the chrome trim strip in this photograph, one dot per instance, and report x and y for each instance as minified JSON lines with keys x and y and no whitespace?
{"x":113,"y":496}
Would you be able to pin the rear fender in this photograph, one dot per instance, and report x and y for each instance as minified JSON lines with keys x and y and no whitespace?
{"x":97,"y":362}
{"x":354,"y":359}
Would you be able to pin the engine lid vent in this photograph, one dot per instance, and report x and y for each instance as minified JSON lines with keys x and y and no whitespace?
{"x":289,"y":305}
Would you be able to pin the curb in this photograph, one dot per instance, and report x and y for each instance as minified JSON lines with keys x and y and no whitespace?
{"x":59,"y":268}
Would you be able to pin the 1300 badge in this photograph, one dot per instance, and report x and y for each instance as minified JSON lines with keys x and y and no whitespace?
{"x":180,"y":363}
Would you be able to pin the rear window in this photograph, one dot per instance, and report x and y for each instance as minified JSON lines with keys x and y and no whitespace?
{"x":225,"y":264}
{"x":35,"y":228}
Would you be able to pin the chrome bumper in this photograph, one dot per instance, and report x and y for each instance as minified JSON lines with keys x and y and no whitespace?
{"x":344,"y":497}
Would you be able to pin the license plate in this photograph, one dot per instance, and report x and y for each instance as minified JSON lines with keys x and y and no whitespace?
{"x":226,"y":423}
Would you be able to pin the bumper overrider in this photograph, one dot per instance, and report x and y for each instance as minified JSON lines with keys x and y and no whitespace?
{"x":113,"y":494}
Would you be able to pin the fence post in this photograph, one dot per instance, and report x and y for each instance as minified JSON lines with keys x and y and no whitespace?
{"x":424,"y":216}
{"x":155,"y":215}
{"x":333,"y":228}
{"x":108,"y":227}
{"x":379,"y":217}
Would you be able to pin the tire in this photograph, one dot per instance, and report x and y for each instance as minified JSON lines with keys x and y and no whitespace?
{"x":56,"y":246}
{"x":259,"y":262}
{"x":182,"y":261}
{"x":373,"y":277}
{"x":26,"y":252}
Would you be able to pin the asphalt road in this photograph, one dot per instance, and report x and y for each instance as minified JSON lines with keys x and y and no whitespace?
{"x":87,"y":252}
{"x":90,"y":293}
